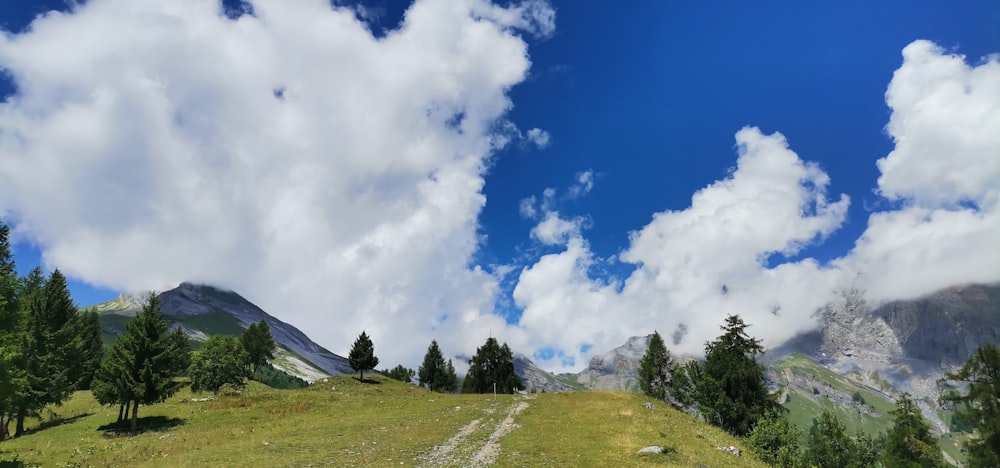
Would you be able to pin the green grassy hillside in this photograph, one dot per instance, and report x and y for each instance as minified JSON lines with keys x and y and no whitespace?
{"x":344,"y":423}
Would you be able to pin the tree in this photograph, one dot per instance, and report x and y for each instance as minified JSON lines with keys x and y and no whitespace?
{"x":776,"y":441}
{"x":909,"y":442}
{"x":400,"y":373}
{"x":434,"y":373}
{"x":221,"y":361}
{"x":362,"y":355}
{"x":492,"y":364}
{"x":9,"y":324}
{"x":828,"y":445}
{"x":978,"y":407}
{"x":730,"y":388}
{"x":259,"y":344}
{"x":90,"y":347}
{"x":144,"y":363}
{"x":656,"y":369}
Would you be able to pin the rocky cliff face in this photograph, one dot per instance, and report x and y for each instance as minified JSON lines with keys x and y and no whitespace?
{"x":909,"y":344}
{"x":617,"y":369}
{"x":204,"y":310}
{"x":534,"y":378}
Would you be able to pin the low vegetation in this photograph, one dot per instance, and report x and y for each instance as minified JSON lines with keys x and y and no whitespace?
{"x":343,"y":422}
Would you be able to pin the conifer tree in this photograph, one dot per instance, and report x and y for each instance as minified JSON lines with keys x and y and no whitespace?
{"x":400,"y":373}
{"x":978,"y":407}
{"x":909,"y":442}
{"x":89,"y":346}
{"x":730,"y":388}
{"x":259,"y":344}
{"x":656,"y":368}
{"x":433,"y":373}
{"x":144,"y":363}
{"x":362,"y":355}
{"x":221,"y":361}
{"x":9,"y":324}
{"x":451,"y":378}
{"x":828,"y":445}
{"x":492,"y":364}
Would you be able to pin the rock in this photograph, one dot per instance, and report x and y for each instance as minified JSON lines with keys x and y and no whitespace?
{"x":730,"y":449}
{"x":649,"y":405}
{"x":651,"y":449}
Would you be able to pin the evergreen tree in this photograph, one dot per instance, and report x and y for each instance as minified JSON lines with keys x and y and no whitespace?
{"x":978,"y":407}
{"x":259,"y":344}
{"x":492,"y":364}
{"x":909,"y":442}
{"x":362,"y":355}
{"x":145,"y":361}
{"x":89,"y":346}
{"x":776,"y":441}
{"x":656,"y":369}
{"x":9,"y":326}
{"x":434,"y":373}
{"x":400,"y":373}
{"x":730,"y":388}
{"x":828,"y":445}
{"x":221,"y":361}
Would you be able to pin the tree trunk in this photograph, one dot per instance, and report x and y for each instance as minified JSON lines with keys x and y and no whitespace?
{"x":135,"y":415}
{"x":19,"y":427}
{"x":121,"y":412}
{"x":4,"y":426}
{"x":362,"y":375}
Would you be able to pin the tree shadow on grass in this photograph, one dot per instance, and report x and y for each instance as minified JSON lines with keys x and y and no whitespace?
{"x":57,"y":421}
{"x":368,"y":381}
{"x":143,"y":425}
{"x":15,"y":463}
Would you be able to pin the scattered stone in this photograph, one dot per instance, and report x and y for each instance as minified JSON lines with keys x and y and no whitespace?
{"x":730,"y":449}
{"x":199,"y":400}
{"x":458,"y":408}
{"x":651,"y":449}
{"x":166,"y":436}
{"x":649,"y":405}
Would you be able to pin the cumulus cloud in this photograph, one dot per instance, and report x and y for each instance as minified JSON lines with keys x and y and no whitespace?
{"x":717,"y":256}
{"x":332,"y":177}
{"x":539,"y":137}
{"x":584,"y":184}
{"x":696,"y":265}
{"x":945,"y":172}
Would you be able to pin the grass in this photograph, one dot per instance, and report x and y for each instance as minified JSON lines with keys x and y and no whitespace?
{"x":342,"y":422}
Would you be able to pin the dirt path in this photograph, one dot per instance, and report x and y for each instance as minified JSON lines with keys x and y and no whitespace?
{"x":465,"y":449}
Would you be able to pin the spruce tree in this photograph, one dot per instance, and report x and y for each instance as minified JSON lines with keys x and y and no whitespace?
{"x":9,"y":327}
{"x":656,"y":368}
{"x":492,"y":364}
{"x":362,"y":355}
{"x":828,"y":445}
{"x":143,"y":365}
{"x":909,"y":442}
{"x":978,"y":407}
{"x":89,"y":346}
{"x":400,"y":373}
{"x":221,"y":361}
{"x":731,"y":390}
{"x":433,"y":373}
{"x":259,"y":344}
{"x":450,"y":383}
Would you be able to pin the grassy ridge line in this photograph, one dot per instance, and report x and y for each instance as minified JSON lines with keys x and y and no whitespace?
{"x":344,"y":423}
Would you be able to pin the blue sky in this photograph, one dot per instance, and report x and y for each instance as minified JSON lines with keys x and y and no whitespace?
{"x":642,"y":101}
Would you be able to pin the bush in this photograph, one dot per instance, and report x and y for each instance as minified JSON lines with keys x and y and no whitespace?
{"x":277,"y":378}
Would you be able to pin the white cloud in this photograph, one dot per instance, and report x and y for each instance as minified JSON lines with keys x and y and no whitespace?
{"x":945,"y":170}
{"x":333,"y":178}
{"x":527,"y":207}
{"x":539,"y":137}
{"x":554,"y":230}
{"x":699,"y":264}
{"x":584,"y":184}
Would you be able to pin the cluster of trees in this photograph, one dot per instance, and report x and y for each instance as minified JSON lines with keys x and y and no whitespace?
{"x":729,"y":390}
{"x":48,"y":349}
{"x":490,"y":369}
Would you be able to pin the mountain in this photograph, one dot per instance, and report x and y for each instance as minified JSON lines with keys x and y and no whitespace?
{"x":534,"y":378}
{"x":202,"y":311}
{"x":617,"y":369}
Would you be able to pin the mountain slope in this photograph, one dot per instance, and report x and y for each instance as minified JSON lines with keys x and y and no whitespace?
{"x":202,"y":311}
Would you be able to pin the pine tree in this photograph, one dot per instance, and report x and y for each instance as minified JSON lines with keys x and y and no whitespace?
{"x":828,"y":445}
{"x":978,"y":407}
{"x":362,"y":355}
{"x":433,"y":373}
{"x":259,"y":344}
{"x":492,"y":364}
{"x":909,"y":442}
{"x":221,"y":361}
{"x":400,"y":373}
{"x":143,"y":365}
{"x":656,"y":368}
{"x":730,"y":388}
{"x":9,"y":326}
